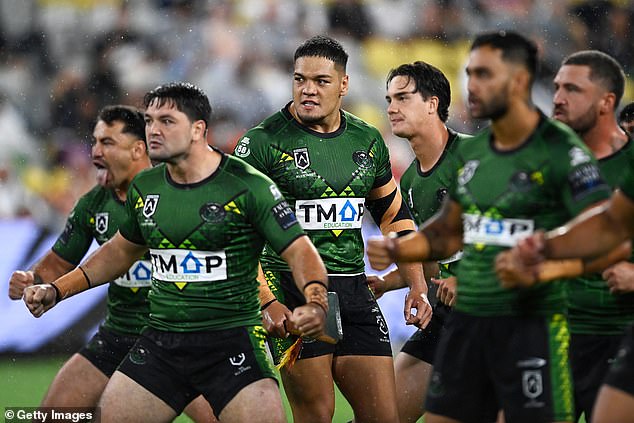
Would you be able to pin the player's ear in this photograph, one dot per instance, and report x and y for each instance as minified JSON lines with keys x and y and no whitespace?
{"x":344,"y":86}
{"x":432,"y":105}
{"x":199,"y":130}
{"x":139,"y":149}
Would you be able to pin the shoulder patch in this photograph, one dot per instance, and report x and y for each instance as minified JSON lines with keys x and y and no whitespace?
{"x":284,"y":215}
{"x":242,"y":149}
{"x":578,"y":156}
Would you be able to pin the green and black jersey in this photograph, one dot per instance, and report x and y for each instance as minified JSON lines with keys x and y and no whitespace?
{"x":505,"y":196}
{"x":205,"y":240}
{"x":424,"y":192}
{"x":97,"y":215}
{"x":592,"y":308}
{"x":326,"y":178}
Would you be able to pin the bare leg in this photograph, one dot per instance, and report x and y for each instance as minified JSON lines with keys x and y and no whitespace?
{"x":77,"y":384}
{"x":368,"y":384}
{"x":200,"y":411}
{"x":124,"y":400}
{"x":310,"y":389}
{"x":259,"y":402}
{"x":613,"y":405}
{"x":412,"y":377}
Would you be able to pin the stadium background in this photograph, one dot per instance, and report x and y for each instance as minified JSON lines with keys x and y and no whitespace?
{"x":62,"y":60}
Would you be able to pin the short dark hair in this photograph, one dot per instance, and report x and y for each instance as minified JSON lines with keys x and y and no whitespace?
{"x":429,"y":81}
{"x":323,"y":46}
{"x":515,"y":48}
{"x":187,"y":98}
{"x":627,"y":114}
{"x":132,"y":118}
{"x":603,"y":67}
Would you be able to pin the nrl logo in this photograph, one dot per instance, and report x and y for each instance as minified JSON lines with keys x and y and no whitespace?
{"x":302,"y":160}
{"x":150,"y":203}
{"x":468,"y":171}
{"x":101,"y":223}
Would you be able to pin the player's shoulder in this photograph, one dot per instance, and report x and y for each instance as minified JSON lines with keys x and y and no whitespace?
{"x":269,"y":128}
{"x":97,"y":195}
{"x":557,"y":133}
{"x":355,"y":122}
{"x":243,"y":173}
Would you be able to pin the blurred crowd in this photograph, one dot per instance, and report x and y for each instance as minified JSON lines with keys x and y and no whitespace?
{"x":62,"y":60}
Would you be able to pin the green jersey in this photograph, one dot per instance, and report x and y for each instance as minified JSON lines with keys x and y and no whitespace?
{"x":592,"y":308}
{"x":205,"y":240}
{"x":326,"y":178}
{"x":505,"y":196}
{"x":424,"y":192}
{"x":97,"y":215}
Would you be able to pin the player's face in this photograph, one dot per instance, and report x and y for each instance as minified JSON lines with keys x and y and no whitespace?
{"x":318,"y":87}
{"x":489,"y":80}
{"x":169,"y":132}
{"x":112,"y":154}
{"x":407,"y":111}
{"x":577,"y":99}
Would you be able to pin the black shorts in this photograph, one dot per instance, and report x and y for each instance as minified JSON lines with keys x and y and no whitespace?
{"x":518,"y":364}
{"x":177,"y":367}
{"x":107,"y":348}
{"x":590,"y":358}
{"x":424,"y":342}
{"x":621,"y":373}
{"x":365,"y":331}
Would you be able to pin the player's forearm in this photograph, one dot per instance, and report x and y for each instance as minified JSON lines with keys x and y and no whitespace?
{"x":264,"y":292}
{"x":590,"y":235}
{"x":50,"y":267}
{"x":412,"y":276}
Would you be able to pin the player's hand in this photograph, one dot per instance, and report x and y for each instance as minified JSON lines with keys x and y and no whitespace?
{"x":381,"y":252}
{"x":531,"y":249}
{"x":40,"y":298}
{"x":620,"y":277}
{"x":377,"y":284}
{"x":274,"y":317}
{"x":417,"y":300}
{"x":512,"y":271}
{"x":446,"y":292}
{"x":19,"y":281}
{"x":309,"y":320}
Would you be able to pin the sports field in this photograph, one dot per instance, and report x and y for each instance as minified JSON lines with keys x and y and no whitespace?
{"x":23,"y":382}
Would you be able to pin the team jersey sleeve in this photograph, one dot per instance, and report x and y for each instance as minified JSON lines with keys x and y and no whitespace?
{"x":75,"y":240}
{"x":582,"y":184}
{"x":381,"y":155}
{"x":130,"y":229}
{"x":271,"y":214}
{"x":252,"y":148}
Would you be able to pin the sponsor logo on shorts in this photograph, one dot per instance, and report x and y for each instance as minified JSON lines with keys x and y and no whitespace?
{"x":330,"y":213}
{"x":237,"y":362}
{"x":174,"y":265}
{"x":532,"y":387}
{"x":479,"y":229}
{"x":138,"y":355}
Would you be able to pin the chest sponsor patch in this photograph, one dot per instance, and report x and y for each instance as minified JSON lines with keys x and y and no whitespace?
{"x":139,"y":275}
{"x":478,"y":229}
{"x":330,"y":213}
{"x":175,"y":265}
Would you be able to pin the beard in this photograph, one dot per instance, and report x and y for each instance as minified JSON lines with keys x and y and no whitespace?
{"x":585,"y":122}
{"x":495,"y":108}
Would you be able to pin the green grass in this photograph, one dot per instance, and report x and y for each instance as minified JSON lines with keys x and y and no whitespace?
{"x":24,"y":380}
